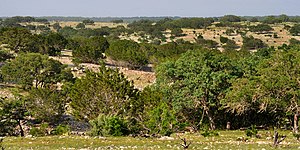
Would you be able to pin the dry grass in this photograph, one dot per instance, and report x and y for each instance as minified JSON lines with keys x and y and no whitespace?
{"x":225,"y":140}
{"x":94,"y":26}
{"x":141,"y":79}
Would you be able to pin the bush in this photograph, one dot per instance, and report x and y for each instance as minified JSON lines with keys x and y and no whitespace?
{"x":207,"y":133}
{"x":60,"y":130}
{"x":252,"y":131}
{"x":108,"y":125}
{"x":162,"y":120}
{"x":41,"y":131}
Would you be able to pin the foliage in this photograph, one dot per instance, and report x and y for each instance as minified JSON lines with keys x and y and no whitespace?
{"x":230,"y":18}
{"x":88,"y":22}
{"x":12,"y":112}
{"x":250,"y":43}
{"x":223,"y":39}
{"x":18,"y":39}
{"x":4,"y":55}
{"x":127,"y":51}
{"x":60,"y":130}
{"x":80,"y":26}
{"x":108,"y":125}
{"x":39,"y":131}
{"x":294,"y":42}
{"x":46,"y":105}
{"x":56,"y":26}
{"x":230,"y":45}
{"x":295,"y":30}
{"x":196,"y":81}
{"x":35,"y":69}
{"x":162,"y":120}
{"x":261,"y":28}
{"x":106,"y":91}
{"x":90,"y":50}
{"x":208,"y":133}
{"x":272,"y":89}
{"x":252,"y":131}
{"x":206,"y":43}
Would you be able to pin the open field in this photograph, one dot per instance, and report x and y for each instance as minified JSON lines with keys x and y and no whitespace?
{"x":225,"y":140}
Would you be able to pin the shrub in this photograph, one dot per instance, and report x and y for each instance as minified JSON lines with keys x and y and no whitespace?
{"x":162,"y":120}
{"x":60,"y":130}
{"x":108,"y":125}
{"x":252,"y":131}
{"x":41,"y":131}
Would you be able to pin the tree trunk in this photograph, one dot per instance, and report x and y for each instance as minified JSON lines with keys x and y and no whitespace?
{"x":211,"y":120}
{"x":296,"y":126}
{"x":21,"y":129}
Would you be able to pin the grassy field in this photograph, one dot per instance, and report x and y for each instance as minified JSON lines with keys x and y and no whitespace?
{"x":225,"y":140}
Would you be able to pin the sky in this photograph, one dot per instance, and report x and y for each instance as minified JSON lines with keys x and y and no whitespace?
{"x":149,"y":8}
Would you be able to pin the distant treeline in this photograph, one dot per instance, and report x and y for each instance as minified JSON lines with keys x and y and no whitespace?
{"x":105,"y":19}
{"x":266,"y":19}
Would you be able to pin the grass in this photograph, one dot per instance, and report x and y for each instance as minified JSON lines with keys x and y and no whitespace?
{"x":225,"y":140}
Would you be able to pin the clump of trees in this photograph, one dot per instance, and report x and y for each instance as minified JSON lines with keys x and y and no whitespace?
{"x":251,"y":43}
{"x":128,"y":51}
{"x":22,"y":40}
{"x":295,"y":30}
{"x":35,"y":70}
{"x":90,"y":50}
{"x":261,"y":28}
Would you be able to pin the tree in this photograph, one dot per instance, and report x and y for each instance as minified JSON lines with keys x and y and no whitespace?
{"x":176,"y":32}
{"x":18,"y":39}
{"x":274,"y":89}
{"x":12,"y":113}
{"x":196,"y":82}
{"x":46,"y":105}
{"x":127,"y":51}
{"x":88,"y":22}
{"x":35,"y":69}
{"x":230,"y":45}
{"x":107,"y":92}
{"x":295,"y":30}
{"x":4,"y":55}
{"x":261,"y":28}
{"x":251,"y":43}
{"x":80,"y":26}
{"x":294,"y":41}
{"x":91,"y":50}
{"x":56,"y":26}
{"x":230,"y":18}
{"x":223,"y":39}
{"x":55,"y":43}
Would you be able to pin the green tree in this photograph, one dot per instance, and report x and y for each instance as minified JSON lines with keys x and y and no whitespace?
{"x":91,"y":50}
{"x":230,"y":18}
{"x":12,"y":112}
{"x":295,"y":30}
{"x":55,"y":43}
{"x":251,"y":43}
{"x":88,"y":22}
{"x":18,"y":39}
{"x":261,"y":28}
{"x":56,"y":26}
{"x":46,"y":105}
{"x":80,"y":26}
{"x":35,"y":69}
{"x":128,"y":51}
{"x":196,"y":81}
{"x":107,"y":92}
{"x":274,"y":89}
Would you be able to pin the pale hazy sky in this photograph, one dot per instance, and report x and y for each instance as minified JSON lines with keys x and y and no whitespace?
{"x":129,"y":8}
